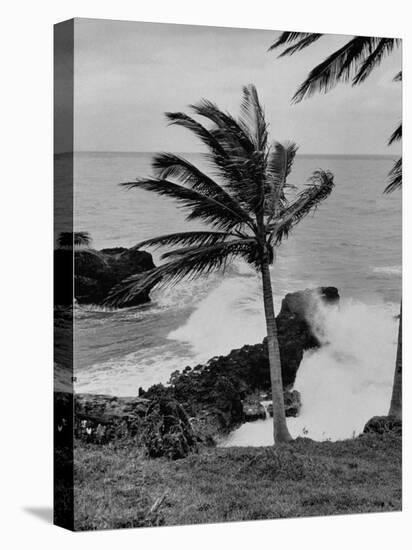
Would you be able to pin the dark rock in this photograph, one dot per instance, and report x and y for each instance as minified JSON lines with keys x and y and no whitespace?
{"x":295,"y":334}
{"x":383,"y":424}
{"x":253,"y":411}
{"x":303,"y":302}
{"x":161,"y":425}
{"x":96,"y":273}
{"x":104,"y":418}
{"x":216,"y":395}
{"x":87,"y":289}
{"x":213,"y":393}
{"x":90,"y":263}
{"x":293,"y":402}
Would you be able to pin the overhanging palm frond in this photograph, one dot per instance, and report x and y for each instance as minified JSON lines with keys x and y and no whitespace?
{"x":289,"y":37}
{"x":395,"y":177}
{"x":337,"y":67}
{"x":384,"y":47}
{"x":191,"y":264}
{"x":398,"y":77}
{"x":396,"y":136}
{"x":301,"y":44}
{"x":199,"y":238}
{"x":318,"y":189}
{"x":201,"y":206}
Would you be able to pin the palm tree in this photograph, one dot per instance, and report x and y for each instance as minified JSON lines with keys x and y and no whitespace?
{"x":395,"y":175}
{"x":395,"y":408}
{"x":395,"y":182}
{"x":67,"y":239}
{"x":248,"y":211}
{"x":354,"y":61}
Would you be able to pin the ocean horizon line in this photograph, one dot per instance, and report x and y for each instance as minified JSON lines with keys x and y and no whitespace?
{"x":346,"y":155}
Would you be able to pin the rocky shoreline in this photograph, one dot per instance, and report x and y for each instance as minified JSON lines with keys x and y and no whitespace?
{"x":203,"y":403}
{"x":96,"y":272}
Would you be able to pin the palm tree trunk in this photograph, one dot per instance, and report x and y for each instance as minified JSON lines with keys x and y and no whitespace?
{"x":280,"y":431}
{"x":396,"y":400}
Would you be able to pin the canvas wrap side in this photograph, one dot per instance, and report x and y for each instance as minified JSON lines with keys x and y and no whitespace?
{"x":63,"y":277}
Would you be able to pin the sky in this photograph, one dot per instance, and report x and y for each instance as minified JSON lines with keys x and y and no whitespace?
{"x":128,"y":74}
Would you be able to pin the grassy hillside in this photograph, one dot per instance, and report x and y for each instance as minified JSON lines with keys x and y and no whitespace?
{"x":118,"y":487}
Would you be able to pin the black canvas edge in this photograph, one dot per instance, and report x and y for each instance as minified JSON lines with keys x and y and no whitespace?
{"x":63,"y":481}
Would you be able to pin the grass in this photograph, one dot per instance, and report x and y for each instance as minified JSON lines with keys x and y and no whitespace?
{"x":116,"y":486}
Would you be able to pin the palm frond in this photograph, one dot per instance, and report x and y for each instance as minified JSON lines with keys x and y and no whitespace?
{"x":384,"y":47}
{"x":289,"y":37}
{"x":201,"y":206}
{"x":231,"y":149}
{"x":337,"y":67}
{"x":395,"y":177}
{"x":279,"y":166}
{"x":301,"y":44}
{"x":186,"y":121}
{"x":218,"y":156}
{"x":241,"y":148}
{"x":167,"y":165}
{"x":199,"y":238}
{"x":317,"y":190}
{"x":252,"y":118}
{"x":398,"y":77}
{"x":396,"y":135}
{"x":193,"y":263}
{"x":228,"y":132}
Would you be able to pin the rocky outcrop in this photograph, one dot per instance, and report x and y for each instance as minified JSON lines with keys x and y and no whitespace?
{"x":295,"y":335}
{"x":253,"y":410}
{"x":383,"y":424}
{"x":293,"y":403}
{"x":211,"y":399}
{"x":161,"y":425}
{"x":215,"y":393}
{"x":97,"y":272}
{"x":105,"y":418}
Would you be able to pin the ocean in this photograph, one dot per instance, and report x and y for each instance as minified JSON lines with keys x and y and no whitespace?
{"x":353,"y":242}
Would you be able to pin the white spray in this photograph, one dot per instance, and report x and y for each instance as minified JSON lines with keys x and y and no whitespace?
{"x":348,"y":380}
{"x":343,"y":383}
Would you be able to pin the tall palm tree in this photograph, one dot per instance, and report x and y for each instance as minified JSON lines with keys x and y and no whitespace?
{"x":248,"y":211}
{"x":395,"y":182}
{"x":354,"y":61}
{"x":395,"y":408}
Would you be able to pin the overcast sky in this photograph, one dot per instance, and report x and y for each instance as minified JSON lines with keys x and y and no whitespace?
{"x":128,"y":74}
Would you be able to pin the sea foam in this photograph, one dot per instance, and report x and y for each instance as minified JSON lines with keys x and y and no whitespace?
{"x":343,"y":383}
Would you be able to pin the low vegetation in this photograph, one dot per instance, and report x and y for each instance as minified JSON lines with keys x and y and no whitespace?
{"x":117,"y":486}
